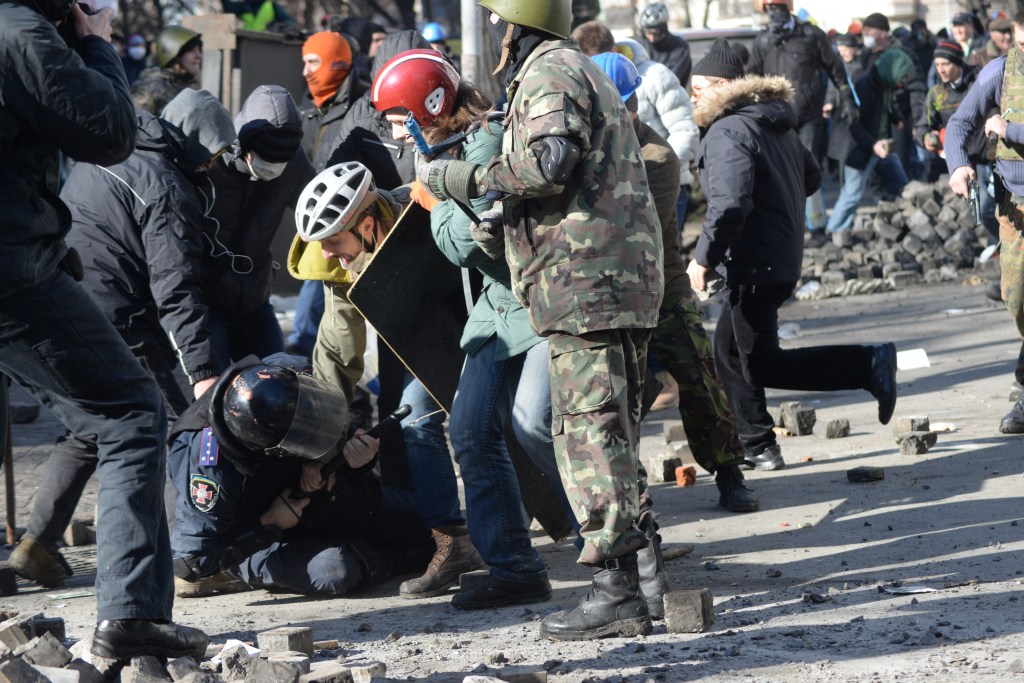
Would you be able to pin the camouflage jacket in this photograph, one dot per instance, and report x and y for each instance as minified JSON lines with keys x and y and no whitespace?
{"x":156,"y":87}
{"x":587,"y":255}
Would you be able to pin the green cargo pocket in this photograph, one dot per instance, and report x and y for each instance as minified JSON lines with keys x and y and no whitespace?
{"x":586,"y":374}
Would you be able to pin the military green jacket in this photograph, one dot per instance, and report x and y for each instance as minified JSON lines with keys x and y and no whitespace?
{"x":496,"y":311}
{"x":587,"y":255}
{"x":156,"y":87}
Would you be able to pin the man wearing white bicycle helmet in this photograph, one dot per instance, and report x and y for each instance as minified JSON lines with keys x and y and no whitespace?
{"x":344,"y":212}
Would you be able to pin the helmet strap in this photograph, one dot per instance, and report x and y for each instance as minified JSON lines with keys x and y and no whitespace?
{"x":506,"y":46}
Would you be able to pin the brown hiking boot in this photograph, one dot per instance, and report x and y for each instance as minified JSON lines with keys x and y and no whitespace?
{"x":31,"y":560}
{"x":455,"y":555}
{"x":217,"y":584}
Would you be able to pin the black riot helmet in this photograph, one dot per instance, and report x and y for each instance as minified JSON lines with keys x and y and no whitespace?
{"x":279,"y":411}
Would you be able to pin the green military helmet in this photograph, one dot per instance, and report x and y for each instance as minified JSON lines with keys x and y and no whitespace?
{"x":172,"y":41}
{"x":553,"y":16}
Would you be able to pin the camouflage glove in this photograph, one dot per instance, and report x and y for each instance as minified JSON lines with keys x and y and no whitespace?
{"x":489,"y":233}
{"x":447,"y":178}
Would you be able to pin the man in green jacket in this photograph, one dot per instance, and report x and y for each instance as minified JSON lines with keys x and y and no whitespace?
{"x":581,"y":237}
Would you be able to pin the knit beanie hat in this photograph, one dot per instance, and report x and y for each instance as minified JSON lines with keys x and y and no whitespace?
{"x":878,"y":21}
{"x":721,"y":61}
{"x":950,"y":51}
{"x":892,"y":66}
{"x":336,"y":61}
{"x":204,"y":122}
{"x":269,"y":124}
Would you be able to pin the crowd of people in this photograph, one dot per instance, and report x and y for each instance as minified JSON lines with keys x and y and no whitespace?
{"x":135,"y":295}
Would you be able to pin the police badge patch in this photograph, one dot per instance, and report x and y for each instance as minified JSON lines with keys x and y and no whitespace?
{"x":204,"y":493}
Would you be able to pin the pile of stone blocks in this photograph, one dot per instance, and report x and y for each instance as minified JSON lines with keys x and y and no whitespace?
{"x":913,"y":434}
{"x":928,"y":235}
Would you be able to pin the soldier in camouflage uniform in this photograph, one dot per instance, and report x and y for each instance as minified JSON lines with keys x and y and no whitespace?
{"x":999,"y":86}
{"x":680,"y":342}
{"x":179,"y":53}
{"x":581,"y":236}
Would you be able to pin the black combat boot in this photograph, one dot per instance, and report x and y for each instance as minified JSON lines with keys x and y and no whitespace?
{"x":735,"y":495}
{"x":767,"y":459}
{"x":613,"y":607}
{"x":654,"y":583}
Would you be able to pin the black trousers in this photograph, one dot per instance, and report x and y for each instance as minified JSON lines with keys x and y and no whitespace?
{"x":748,"y":360}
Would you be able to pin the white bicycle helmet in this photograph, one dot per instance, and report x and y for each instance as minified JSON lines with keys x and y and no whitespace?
{"x":333,"y":199}
{"x":655,"y":14}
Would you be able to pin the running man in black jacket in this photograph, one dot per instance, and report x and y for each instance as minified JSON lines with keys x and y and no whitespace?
{"x":53,"y":339}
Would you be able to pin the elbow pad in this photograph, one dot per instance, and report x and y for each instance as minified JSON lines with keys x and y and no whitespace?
{"x":558,"y":157}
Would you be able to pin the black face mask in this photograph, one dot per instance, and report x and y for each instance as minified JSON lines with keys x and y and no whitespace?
{"x":778,"y":15}
{"x":497,"y":31}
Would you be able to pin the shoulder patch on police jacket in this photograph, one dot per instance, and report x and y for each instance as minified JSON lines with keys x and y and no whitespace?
{"x":203,"y":492}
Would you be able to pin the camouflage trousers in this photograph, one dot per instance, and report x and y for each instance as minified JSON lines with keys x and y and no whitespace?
{"x":1011,"y":258}
{"x":683,"y":346}
{"x":596,"y":383}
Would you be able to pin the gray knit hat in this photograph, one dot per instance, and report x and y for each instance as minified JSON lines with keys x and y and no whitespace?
{"x":721,"y":61}
{"x":204,"y":122}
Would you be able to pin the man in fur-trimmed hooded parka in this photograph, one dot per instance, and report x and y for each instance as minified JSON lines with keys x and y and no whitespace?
{"x":756,"y":175}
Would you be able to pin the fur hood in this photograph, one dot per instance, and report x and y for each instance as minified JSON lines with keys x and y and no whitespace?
{"x":730,"y":97}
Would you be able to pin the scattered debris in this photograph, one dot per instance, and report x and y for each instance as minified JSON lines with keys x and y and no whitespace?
{"x":686,"y":475}
{"x":837,"y":429}
{"x":859,"y":475}
{"x":916,"y":443}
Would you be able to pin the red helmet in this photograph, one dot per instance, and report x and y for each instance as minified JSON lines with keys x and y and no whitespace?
{"x":423,"y":82}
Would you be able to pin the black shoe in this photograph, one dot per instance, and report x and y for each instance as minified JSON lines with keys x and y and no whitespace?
{"x":614,"y":607}
{"x":767,"y":460}
{"x":495,"y":592}
{"x":1013,"y":422}
{"x":883,"y":380}
{"x":127,"y":638}
{"x":654,"y":583}
{"x":994,"y":291}
{"x":735,"y":496}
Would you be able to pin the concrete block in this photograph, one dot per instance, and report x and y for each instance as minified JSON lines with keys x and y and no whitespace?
{"x":523,"y":674}
{"x":910,"y":423}
{"x":265,"y":671}
{"x":87,"y":673}
{"x":286,"y":639}
{"x":52,"y":625}
{"x":79,"y":533}
{"x":332,"y":673}
{"x":144,"y":670}
{"x":470,"y":580}
{"x":202,"y":677}
{"x":364,"y":673}
{"x":181,"y":667}
{"x":19,"y":671}
{"x":837,"y":429}
{"x":44,"y":650}
{"x":8,"y":581}
{"x":661,"y":467}
{"x":81,"y":651}
{"x":235,"y":663}
{"x":57,"y":675}
{"x":904,"y":278}
{"x":860,"y":475}
{"x":798,"y":419}
{"x":297,"y":660}
{"x":674,"y":433}
{"x":869,"y":272}
{"x":25,"y":621}
{"x":12,"y":633}
{"x":916,"y":443}
{"x":689,"y":611}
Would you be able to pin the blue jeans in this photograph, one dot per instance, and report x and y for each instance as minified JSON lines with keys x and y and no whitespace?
{"x":55,"y":342}
{"x":483,"y":404}
{"x":430,"y":463}
{"x":893,"y":178}
{"x":308,"y":311}
{"x":257,"y":333}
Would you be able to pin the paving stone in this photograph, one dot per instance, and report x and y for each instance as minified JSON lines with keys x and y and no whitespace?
{"x":904,"y":278}
{"x":202,"y":677}
{"x":910,"y":423}
{"x":689,"y":611}
{"x":286,"y":639}
{"x":837,"y":429}
{"x":366,"y":672}
{"x":44,"y":650}
{"x":181,"y":667}
{"x":674,"y":433}
{"x":8,"y":581}
{"x":25,"y":621}
{"x":332,"y":673}
{"x":661,"y":467}
{"x":12,"y":635}
{"x":58,"y":675}
{"x":52,"y":625}
{"x":860,"y":475}
{"x":798,"y":419}
{"x":236,"y":663}
{"x":79,"y":533}
{"x":19,"y":671}
{"x":916,"y":443}
{"x":81,"y":651}
{"x":87,"y":673}
{"x":266,"y":671}
{"x":144,"y":670}
{"x":298,"y":660}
